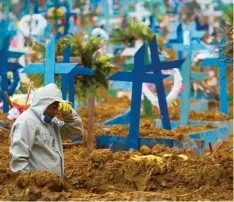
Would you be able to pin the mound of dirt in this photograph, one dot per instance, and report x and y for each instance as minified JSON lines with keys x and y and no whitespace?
{"x":40,"y":185}
{"x":104,"y":175}
{"x":116,"y":106}
{"x":126,"y":175}
{"x":175,"y":179}
{"x":147,"y":130}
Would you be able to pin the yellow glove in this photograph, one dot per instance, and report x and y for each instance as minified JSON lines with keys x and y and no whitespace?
{"x":65,"y":107}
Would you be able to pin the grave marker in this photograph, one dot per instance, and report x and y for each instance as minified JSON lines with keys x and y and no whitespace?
{"x":50,"y":67}
{"x":5,"y":67}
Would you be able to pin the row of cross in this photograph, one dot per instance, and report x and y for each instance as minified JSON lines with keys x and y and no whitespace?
{"x":140,"y":73}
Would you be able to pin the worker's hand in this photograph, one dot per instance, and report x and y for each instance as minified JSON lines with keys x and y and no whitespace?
{"x":65,"y":107}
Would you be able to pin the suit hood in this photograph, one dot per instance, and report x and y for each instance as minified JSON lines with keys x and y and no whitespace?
{"x":45,"y":96}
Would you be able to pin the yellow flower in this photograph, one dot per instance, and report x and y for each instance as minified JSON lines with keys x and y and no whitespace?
{"x":51,"y":11}
{"x":61,"y":29}
{"x":183,"y":157}
{"x":60,"y":11}
{"x":83,"y":44}
{"x":18,"y":24}
{"x":156,"y":159}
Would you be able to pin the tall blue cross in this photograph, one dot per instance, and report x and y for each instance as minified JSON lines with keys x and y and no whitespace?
{"x":68,"y":80}
{"x":194,"y":45}
{"x":5,"y":67}
{"x":156,"y":66}
{"x":187,"y":47}
{"x":124,"y":118}
{"x":50,"y":67}
{"x":222,"y":66}
{"x":139,"y":76}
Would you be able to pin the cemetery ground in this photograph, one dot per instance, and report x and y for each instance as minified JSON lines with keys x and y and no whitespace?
{"x":173,"y":175}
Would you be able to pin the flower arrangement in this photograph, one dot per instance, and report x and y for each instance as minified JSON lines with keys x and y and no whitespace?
{"x":85,"y":51}
{"x":134,"y":31}
{"x":60,"y":12}
{"x":15,"y":111}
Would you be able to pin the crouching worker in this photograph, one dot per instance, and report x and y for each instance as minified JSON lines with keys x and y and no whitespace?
{"x":36,"y":136}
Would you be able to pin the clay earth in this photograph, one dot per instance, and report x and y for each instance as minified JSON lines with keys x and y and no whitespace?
{"x":160,"y":173}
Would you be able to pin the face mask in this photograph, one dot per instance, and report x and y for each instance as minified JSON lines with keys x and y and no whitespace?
{"x":46,"y":118}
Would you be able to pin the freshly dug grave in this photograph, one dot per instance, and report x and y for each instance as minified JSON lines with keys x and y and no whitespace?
{"x":147,"y":130}
{"x":115,"y":106}
{"x":174,"y":113}
{"x":119,"y":176}
{"x":112,"y":107}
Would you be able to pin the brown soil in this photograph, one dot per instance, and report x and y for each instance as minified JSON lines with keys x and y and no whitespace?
{"x":3,"y":118}
{"x":116,"y":106}
{"x":147,"y":130}
{"x":215,"y":104}
{"x":104,"y":175}
{"x":112,"y":107}
{"x":174,"y":112}
{"x":116,"y":176}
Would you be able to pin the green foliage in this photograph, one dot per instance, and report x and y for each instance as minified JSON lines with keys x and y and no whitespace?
{"x":134,"y":31}
{"x":85,"y":51}
{"x":228,"y":15}
{"x":227,"y":48}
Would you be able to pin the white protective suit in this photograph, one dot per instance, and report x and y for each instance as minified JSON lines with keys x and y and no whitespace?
{"x":37,"y":145}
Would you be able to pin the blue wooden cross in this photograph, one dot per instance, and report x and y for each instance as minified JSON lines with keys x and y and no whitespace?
{"x":176,"y":35}
{"x":139,"y":76}
{"x":194,"y":45}
{"x":156,"y":66}
{"x":5,"y":67}
{"x":153,"y":67}
{"x":187,"y":75}
{"x":50,"y":67}
{"x":155,"y":57}
{"x":222,"y":66}
{"x":68,"y":80}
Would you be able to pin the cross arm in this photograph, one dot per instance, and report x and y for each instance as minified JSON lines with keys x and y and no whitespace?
{"x":64,"y":68}
{"x":143,"y":78}
{"x":12,"y":54}
{"x":178,"y":46}
{"x":209,"y":62}
{"x":198,"y":34}
{"x":34,"y":68}
{"x":13,"y":66}
{"x":198,"y":46}
{"x":199,"y":76}
{"x":166,"y":65}
{"x":82,"y":71}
